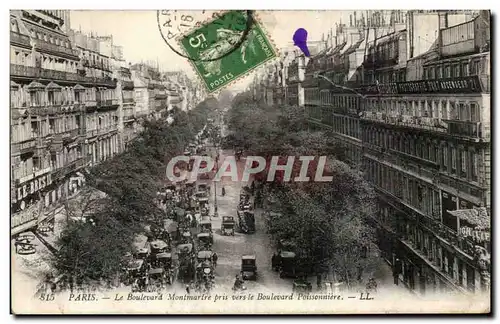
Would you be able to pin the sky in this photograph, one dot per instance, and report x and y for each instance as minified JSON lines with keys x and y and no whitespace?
{"x":138,"y":33}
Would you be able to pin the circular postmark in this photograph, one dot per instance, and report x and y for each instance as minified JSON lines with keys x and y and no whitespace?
{"x":174,"y":24}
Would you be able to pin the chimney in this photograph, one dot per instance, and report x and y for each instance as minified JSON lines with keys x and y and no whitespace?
{"x":355,"y":20}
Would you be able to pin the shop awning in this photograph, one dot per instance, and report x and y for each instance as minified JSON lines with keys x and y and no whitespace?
{"x":52,"y":86}
{"x":34,"y":85}
{"x":475,"y":216}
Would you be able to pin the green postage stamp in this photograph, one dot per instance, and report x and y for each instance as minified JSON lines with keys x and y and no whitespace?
{"x":227,"y":48}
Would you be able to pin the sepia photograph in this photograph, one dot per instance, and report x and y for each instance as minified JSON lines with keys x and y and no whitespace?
{"x":250,"y":162}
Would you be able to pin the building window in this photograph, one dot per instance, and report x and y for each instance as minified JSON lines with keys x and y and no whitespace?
{"x":453,"y":159}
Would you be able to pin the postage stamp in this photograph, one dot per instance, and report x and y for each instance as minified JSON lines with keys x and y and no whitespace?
{"x":227,"y":48}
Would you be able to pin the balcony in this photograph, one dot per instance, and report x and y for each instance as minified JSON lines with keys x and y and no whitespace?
{"x":464,"y":128}
{"x":30,"y":72}
{"x":23,"y":147}
{"x":70,"y":134}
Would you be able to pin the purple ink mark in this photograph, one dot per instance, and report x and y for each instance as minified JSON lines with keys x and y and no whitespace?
{"x":300,"y":40}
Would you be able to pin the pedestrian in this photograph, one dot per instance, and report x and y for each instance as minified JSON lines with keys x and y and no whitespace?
{"x":223,"y":191}
{"x":188,"y":289}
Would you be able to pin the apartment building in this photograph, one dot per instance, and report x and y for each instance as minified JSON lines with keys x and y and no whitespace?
{"x":408,"y":92}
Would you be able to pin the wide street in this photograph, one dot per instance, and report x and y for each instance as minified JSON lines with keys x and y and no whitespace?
{"x":229,"y":248}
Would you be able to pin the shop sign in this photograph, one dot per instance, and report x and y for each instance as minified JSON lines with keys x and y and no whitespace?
{"x":33,"y":186}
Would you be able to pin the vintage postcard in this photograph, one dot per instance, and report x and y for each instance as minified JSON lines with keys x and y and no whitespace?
{"x":250,"y":162}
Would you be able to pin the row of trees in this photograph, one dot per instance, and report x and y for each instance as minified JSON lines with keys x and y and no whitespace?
{"x":93,"y":250}
{"x":323,"y":222}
